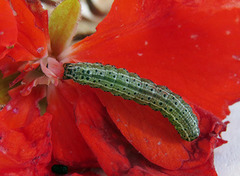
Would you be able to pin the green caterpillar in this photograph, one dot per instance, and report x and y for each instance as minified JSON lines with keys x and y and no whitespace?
{"x":130,"y":86}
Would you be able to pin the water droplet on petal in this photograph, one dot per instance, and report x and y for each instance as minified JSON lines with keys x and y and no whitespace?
{"x":146,"y":140}
{"x":40,"y":49}
{"x":197,"y":46}
{"x":15,"y":110}
{"x":236,"y":57}
{"x":237,"y":20}
{"x":3,"y":150}
{"x":14,"y":12}
{"x":228,"y":32}
{"x":194,"y":36}
{"x":139,"y":54}
{"x":8,"y":107}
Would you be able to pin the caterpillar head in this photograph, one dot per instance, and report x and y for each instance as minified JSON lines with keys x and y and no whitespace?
{"x":67,"y":70}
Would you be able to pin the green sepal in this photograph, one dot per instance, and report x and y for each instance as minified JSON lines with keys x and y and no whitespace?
{"x":62,"y":23}
{"x":4,"y":88}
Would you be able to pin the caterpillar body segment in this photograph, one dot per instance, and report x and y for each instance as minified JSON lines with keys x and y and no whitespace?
{"x":130,"y":86}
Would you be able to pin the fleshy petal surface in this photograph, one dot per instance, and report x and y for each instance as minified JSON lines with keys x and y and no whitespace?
{"x":148,"y":131}
{"x":19,"y":54}
{"x":21,"y":110}
{"x":100,"y":136}
{"x":69,"y":147}
{"x":191,"y":47}
{"x":41,"y":16}
{"x":8,"y":66}
{"x":8,"y":28}
{"x":110,"y":146}
{"x":157,"y":140}
{"x":25,"y":150}
{"x":32,"y":34}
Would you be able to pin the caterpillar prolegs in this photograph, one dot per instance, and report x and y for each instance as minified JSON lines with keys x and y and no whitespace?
{"x":130,"y":86}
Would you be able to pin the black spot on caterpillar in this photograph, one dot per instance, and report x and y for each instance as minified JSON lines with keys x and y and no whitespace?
{"x":130,"y":86}
{"x":59,"y":169}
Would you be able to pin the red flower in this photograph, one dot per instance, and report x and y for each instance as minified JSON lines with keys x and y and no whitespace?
{"x":189,"y":46}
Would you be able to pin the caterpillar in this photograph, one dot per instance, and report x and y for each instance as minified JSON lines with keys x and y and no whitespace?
{"x":130,"y":86}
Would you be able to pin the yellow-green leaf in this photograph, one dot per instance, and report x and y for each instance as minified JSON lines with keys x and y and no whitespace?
{"x":62,"y":23}
{"x":4,"y":87}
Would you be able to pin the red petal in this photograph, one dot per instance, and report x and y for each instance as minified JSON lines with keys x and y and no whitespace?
{"x":32,"y":34}
{"x":191,"y":47}
{"x":203,"y":170}
{"x":8,"y":28}
{"x":26,"y":150}
{"x":69,"y":147}
{"x":201,"y":149}
{"x":14,"y":61}
{"x":147,"y":130}
{"x":21,"y":110}
{"x":19,"y":53}
{"x":85,"y":174}
{"x":41,"y":16}
{"x":36,"y":170}
{"x":110,"y":147}
{"x":8,"y":66}
{"x":157,"y":139}
{"x":100,"y":136}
